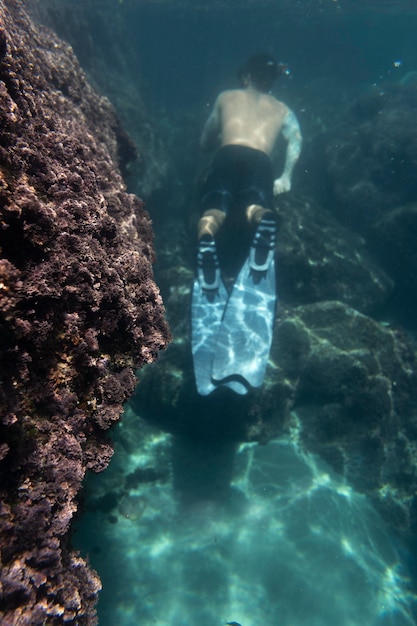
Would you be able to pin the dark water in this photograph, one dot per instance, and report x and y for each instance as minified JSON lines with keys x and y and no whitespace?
{"x":189,"y":58}
{"x":292,"y":544}
{"x":182,"y":58}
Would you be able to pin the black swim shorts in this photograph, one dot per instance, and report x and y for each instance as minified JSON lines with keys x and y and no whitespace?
{"x":239,"y":177}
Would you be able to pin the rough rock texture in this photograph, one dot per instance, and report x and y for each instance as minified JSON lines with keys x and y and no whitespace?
{"x":318,"y":259}
{"x":372,"y":153}
{"x":354,"y":392}
{"x":79,"y":311}
{"x":107,"y":52}
{"x":371,"y":160}
{"x":393,"y":238}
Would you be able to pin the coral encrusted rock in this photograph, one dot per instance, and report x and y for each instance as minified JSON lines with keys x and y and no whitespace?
{"x":79,"y":312}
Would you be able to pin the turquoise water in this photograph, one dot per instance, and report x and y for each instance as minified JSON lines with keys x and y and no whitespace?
{"x":258,"y":535}
{"x":289,"y":544}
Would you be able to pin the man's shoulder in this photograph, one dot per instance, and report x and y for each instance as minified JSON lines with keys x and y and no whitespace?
{"x":230,"y":93}
{"x":275,"y":102}
{"x":228,"y":98}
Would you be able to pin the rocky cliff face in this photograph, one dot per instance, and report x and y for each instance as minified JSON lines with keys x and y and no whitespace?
{"x":79,"y":311}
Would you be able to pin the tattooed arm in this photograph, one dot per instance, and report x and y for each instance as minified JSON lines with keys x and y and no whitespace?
{"x":292,"y":134}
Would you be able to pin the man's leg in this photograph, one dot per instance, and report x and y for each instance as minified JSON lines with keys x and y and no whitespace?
{"x":210,"y":223}
{"x":262,"y":250}
{"x":208,"y":268}
{"x":255,"y":213}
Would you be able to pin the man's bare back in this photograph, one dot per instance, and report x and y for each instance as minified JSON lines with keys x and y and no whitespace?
{"x":247,"y":119}
{"x":250,"y":118}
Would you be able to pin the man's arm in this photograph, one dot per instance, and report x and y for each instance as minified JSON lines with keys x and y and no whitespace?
{"x":292,"y":134}
{"x":211,"y":131}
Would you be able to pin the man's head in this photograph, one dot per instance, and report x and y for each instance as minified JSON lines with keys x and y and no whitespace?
{"x":260,"y":71}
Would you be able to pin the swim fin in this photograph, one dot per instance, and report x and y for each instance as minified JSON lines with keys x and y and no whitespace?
{"x":206,"y":314}
{"x":245,"y":335}
{"x":209,"y":299}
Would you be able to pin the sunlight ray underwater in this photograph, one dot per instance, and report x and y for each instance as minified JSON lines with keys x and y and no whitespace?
{"x":292,"y":545}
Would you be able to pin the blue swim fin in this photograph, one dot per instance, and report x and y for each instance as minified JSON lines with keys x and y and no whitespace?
{"x":245,"y":335}
{"x":209,"y":299}
{"x":206,"y":314}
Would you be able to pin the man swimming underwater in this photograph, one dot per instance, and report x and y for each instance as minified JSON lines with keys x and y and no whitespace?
{"x":245,"y":124}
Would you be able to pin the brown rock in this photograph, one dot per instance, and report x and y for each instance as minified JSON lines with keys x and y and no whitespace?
{"x":79,"y":311}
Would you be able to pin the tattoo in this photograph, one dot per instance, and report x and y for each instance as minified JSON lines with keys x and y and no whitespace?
{"x":291,"y":132}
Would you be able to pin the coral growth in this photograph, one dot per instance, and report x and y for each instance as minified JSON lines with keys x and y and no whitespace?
{"x":79,"y":311}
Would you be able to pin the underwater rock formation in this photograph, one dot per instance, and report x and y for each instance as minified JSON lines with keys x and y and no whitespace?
{"x":79,"y":311}
{"x":393,"y":238}
{"x":354,"y":389}
{"x":371,"y":161}
{"x":318,"y":259}
{"x":107,"y":52}
{"x":372,"y":153}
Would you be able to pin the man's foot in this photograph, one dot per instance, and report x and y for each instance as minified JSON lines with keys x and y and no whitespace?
{"x":208,"y":267}
{"x":262,"y":249}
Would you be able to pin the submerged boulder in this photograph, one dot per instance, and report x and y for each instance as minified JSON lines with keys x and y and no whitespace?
{"x":319,"y":259}
{"x":79,"y":311}
{"x":393,"y":237}
{"x":371,"y":153}
{"x":371,"y":162}
{"x":354,"y":385}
